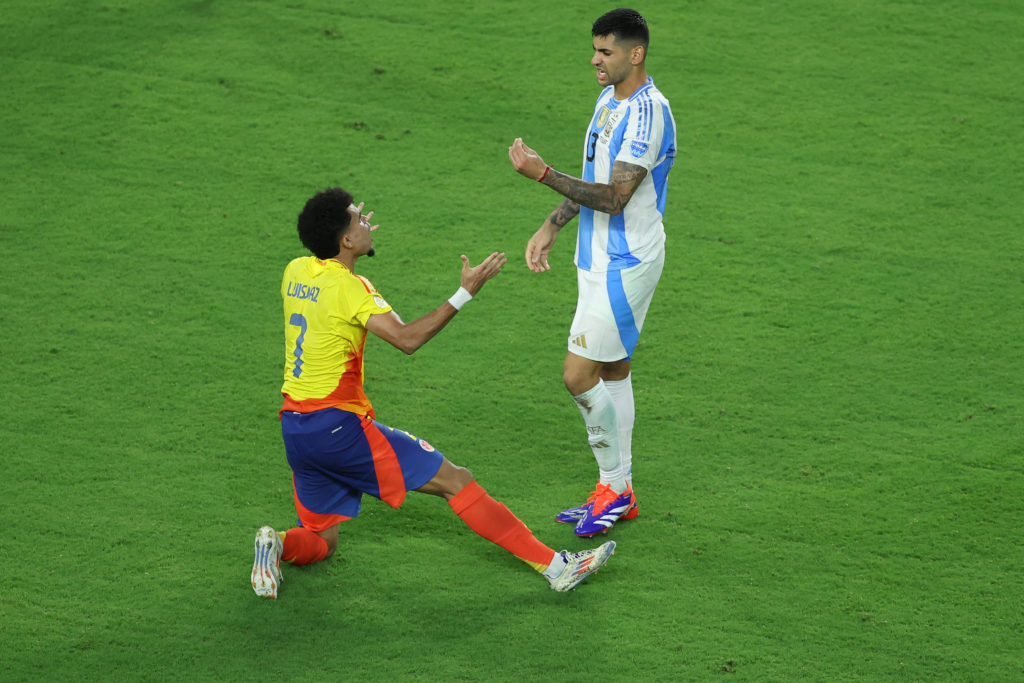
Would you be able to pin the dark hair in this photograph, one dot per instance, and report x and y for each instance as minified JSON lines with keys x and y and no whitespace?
{"x":625,"y":24}
{"x":323,"y":221}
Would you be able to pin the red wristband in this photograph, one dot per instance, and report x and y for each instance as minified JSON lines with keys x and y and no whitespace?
{"x":541,"y":179}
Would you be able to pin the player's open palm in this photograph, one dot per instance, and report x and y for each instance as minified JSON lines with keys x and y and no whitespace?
{"x":474,"y":277}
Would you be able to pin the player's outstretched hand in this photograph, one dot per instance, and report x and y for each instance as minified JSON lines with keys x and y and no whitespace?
{"x":474,"y":277}
{"x":526,"y":161}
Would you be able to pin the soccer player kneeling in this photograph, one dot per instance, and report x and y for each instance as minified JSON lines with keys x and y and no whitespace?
{"x":336,"y":448}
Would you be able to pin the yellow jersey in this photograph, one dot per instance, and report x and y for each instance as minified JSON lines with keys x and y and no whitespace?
{"x":326,"y":307}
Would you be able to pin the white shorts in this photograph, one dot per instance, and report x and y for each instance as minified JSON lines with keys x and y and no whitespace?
{"x":611,"y":309}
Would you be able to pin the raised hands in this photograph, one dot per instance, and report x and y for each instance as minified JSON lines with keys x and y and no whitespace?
{"x":526,"y":161}
{"x":474,"y":277}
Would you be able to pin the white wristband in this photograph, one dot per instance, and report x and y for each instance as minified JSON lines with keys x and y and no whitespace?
{"x":459,"y":298}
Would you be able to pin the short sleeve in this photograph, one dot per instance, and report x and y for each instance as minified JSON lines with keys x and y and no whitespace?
{"x":641,"y":143}
{"x":368,"y":301}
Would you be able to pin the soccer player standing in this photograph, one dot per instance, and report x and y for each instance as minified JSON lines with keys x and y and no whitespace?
{"x":335,"y":447}
{"x":628,"y":151}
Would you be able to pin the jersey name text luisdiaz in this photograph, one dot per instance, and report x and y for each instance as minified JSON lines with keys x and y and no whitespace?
{"x":326,"y":308}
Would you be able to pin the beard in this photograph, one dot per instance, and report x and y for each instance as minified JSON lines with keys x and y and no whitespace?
{"x":371,"y":252}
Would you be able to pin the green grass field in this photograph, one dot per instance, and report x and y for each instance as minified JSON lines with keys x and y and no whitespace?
{"x":830,"y":386}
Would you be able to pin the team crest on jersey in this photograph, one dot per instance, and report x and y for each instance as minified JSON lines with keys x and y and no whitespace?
{"x":426,"y":446}
{"x":602,"y":118}
{"x":613,"y":122}
{"x":638,"y":148}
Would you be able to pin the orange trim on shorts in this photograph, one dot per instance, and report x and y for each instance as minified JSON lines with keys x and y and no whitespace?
{"x":390,"y":480}
{"x":314,"y":521}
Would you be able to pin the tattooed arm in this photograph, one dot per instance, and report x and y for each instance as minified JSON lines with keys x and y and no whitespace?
{"x":565,"y":212}
{"x":607,"y":198}
{"x":611,"y":198}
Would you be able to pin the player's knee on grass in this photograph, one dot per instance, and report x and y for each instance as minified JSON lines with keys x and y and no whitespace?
{"x":331,"y":537}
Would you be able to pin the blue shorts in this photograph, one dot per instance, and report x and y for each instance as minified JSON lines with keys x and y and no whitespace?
{"x":337,"y":456}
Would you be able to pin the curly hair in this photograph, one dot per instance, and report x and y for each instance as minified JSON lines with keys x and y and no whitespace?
{"x":323,"y":221}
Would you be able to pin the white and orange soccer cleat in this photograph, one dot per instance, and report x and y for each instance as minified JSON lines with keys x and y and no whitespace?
{"x":266,"y":568}
{"x":579,"y":566}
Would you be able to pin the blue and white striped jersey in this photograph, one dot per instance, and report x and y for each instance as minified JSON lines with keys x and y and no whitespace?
{"x":638,"y":131}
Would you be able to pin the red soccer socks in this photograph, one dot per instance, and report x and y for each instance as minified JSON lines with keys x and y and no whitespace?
{"x":495,"y":522}
{"x":302,"y":546}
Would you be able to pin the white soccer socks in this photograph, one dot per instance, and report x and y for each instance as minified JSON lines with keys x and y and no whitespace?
{"x":598,"y":412}
{"x":621,"y":392}
{"x":557,"y":566}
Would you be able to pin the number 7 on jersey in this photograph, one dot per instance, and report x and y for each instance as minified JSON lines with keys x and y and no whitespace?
{"x":299,"y":321}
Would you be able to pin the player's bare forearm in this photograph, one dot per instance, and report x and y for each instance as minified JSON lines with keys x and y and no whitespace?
{"x":565,"y":212}
{"x":408,"y":337}
{"x":608,"y":198}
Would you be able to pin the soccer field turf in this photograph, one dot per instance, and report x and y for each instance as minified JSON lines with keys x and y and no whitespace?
{"x":828,"y":450}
